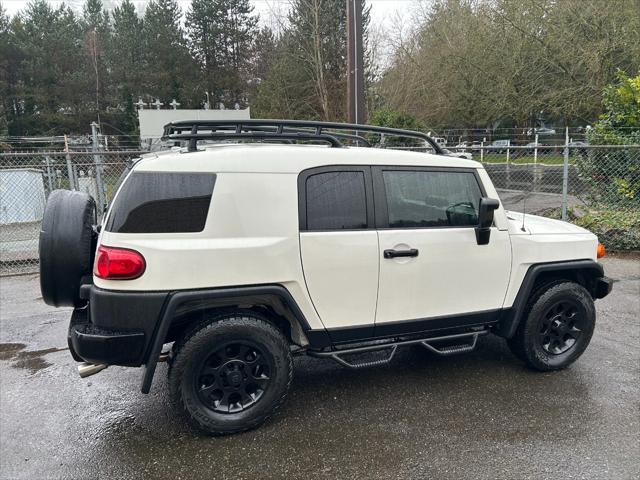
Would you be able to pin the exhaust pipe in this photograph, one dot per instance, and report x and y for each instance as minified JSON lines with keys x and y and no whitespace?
{"x":88,"y":369}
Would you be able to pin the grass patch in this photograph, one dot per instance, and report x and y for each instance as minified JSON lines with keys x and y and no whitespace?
{"x":522,"y":159}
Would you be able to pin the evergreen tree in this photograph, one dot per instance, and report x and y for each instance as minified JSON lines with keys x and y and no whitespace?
{"x":97,"y":35}
{"x":6,"y":66}
{"x":308,"y":78}
{"x":127,"y":61}
{"x":169,"y":67}
{"x":221,"y":37}
{"x":45,"y":71}
{"x":262,"y":58}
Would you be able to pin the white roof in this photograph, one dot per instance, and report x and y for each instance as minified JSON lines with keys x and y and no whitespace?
{"x":273,"y":158}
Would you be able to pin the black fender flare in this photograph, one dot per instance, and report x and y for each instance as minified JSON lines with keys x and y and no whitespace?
{"x":207,"y":297}
{"x":588,"y":270}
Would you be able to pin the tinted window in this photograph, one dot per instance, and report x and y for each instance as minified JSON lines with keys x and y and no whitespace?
{"x":162,"y":203}
{"x":431,"y":199}
{"x":336,"y":201}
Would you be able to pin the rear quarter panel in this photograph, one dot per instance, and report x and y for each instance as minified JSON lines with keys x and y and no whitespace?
{"x":244,"y":242}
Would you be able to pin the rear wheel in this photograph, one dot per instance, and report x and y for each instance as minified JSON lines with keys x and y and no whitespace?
{"x":231,"y":373}
{"x":557,"y":329}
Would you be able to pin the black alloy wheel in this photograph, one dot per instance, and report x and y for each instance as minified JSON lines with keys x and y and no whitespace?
{"x":233,"y":378}
{"x":560,"y":327}
{"x":230,"y":373}
{"x":556,"y":327}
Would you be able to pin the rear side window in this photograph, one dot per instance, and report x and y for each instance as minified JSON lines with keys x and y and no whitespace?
{"x":336,"y":201}
{"x":154,"y":202}
{"x":421,"y":199}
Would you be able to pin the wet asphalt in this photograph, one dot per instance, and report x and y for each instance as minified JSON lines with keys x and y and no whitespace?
{"x":474,"y":416}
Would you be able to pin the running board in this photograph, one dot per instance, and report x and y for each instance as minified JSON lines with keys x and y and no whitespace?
{"x":335,"y":355}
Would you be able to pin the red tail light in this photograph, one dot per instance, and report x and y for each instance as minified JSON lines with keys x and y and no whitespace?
{"x":118,"y":263}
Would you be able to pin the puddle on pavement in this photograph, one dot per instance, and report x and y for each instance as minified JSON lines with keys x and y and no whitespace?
{"x":10,"y":350}
{"x":29,"y":360}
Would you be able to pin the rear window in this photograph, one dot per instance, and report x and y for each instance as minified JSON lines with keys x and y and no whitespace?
{"x":152,"y":202}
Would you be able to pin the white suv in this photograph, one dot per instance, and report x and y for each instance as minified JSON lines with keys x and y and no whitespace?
{"x":237,"y":256}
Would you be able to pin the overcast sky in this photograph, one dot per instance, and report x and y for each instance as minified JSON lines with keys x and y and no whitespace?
{"x":384,"y":12}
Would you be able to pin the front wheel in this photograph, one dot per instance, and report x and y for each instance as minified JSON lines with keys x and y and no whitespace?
{"x":557,"y":328}
{"x":231,"y":373}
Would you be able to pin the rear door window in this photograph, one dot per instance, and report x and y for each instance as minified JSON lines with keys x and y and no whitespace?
{"x":160,"y":202}
{"x":336,"y":201}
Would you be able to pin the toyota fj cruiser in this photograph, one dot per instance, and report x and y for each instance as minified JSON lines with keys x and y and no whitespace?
{"x":230,"y":257}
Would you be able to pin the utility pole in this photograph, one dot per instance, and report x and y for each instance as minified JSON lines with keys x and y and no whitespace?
{"x":355,"y":68}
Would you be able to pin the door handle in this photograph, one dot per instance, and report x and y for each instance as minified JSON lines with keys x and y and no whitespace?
{"x":412,"y":252}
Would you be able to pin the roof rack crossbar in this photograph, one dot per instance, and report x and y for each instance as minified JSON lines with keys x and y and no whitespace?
{"x":194,"y":130}
{"x":194,"y":138}
{"x":346,"y":136}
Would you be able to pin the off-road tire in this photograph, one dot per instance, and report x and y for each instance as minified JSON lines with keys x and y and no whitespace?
{"x":527,"y":345}
{"x":66,"y":246}
{"x":200,"y":343}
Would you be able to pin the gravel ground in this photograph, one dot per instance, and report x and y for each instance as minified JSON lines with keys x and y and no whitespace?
{"x":475,"y":416}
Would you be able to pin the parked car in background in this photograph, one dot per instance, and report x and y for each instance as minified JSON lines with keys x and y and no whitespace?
{"x":541,"y":131}
{"x":499,"y":146}
{"x":441,"y":141}
{"x":458,"y":153}
{"x":578,"y":148}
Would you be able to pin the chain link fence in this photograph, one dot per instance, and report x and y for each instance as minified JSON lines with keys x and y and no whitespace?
{"x":27,"y":179}
{"x":594,"y":186}
{"x":597,"y":187}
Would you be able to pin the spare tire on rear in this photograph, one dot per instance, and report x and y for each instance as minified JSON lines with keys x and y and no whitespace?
{"x":66,"y":246}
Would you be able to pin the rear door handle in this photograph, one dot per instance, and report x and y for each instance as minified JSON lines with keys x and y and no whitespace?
{"x":412,"y":252}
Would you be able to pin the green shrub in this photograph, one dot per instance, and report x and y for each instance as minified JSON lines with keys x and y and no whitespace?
{"x":613,"y":175}
{"x":616,"y":229}
{"x":395,"y":119}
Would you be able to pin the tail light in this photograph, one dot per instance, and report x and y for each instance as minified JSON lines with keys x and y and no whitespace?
{"x":118,"y":263}
{"x":601,"y":252}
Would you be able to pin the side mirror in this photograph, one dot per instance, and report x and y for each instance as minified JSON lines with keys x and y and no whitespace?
{"x":485,"y":219}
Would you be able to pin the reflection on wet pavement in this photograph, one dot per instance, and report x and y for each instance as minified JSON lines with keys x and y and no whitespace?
{"x":29,"y":360}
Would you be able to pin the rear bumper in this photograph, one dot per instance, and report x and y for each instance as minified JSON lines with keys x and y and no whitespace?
{"x":99,"y":345}
{"x":603,"y":287}
{"x":115,"y":328}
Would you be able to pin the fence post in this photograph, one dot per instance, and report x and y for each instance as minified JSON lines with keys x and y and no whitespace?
{"x":536,"y":173}
{"x":565,"y":175}
{"x":508,"y":167}
{"x":70,"y":174}
{"x":49,"y":181}
{"x":97,"y":160}
{"x":482,"y":151}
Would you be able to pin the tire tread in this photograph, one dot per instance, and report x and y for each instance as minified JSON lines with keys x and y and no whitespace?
{"x":185,"y":347}
{"x":520,"y":345}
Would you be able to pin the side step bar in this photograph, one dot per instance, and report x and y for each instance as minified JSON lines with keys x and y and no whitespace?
{"x":392,"y":347}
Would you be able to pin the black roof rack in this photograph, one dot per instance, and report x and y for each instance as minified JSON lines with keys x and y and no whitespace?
{"x":284,"y":130}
